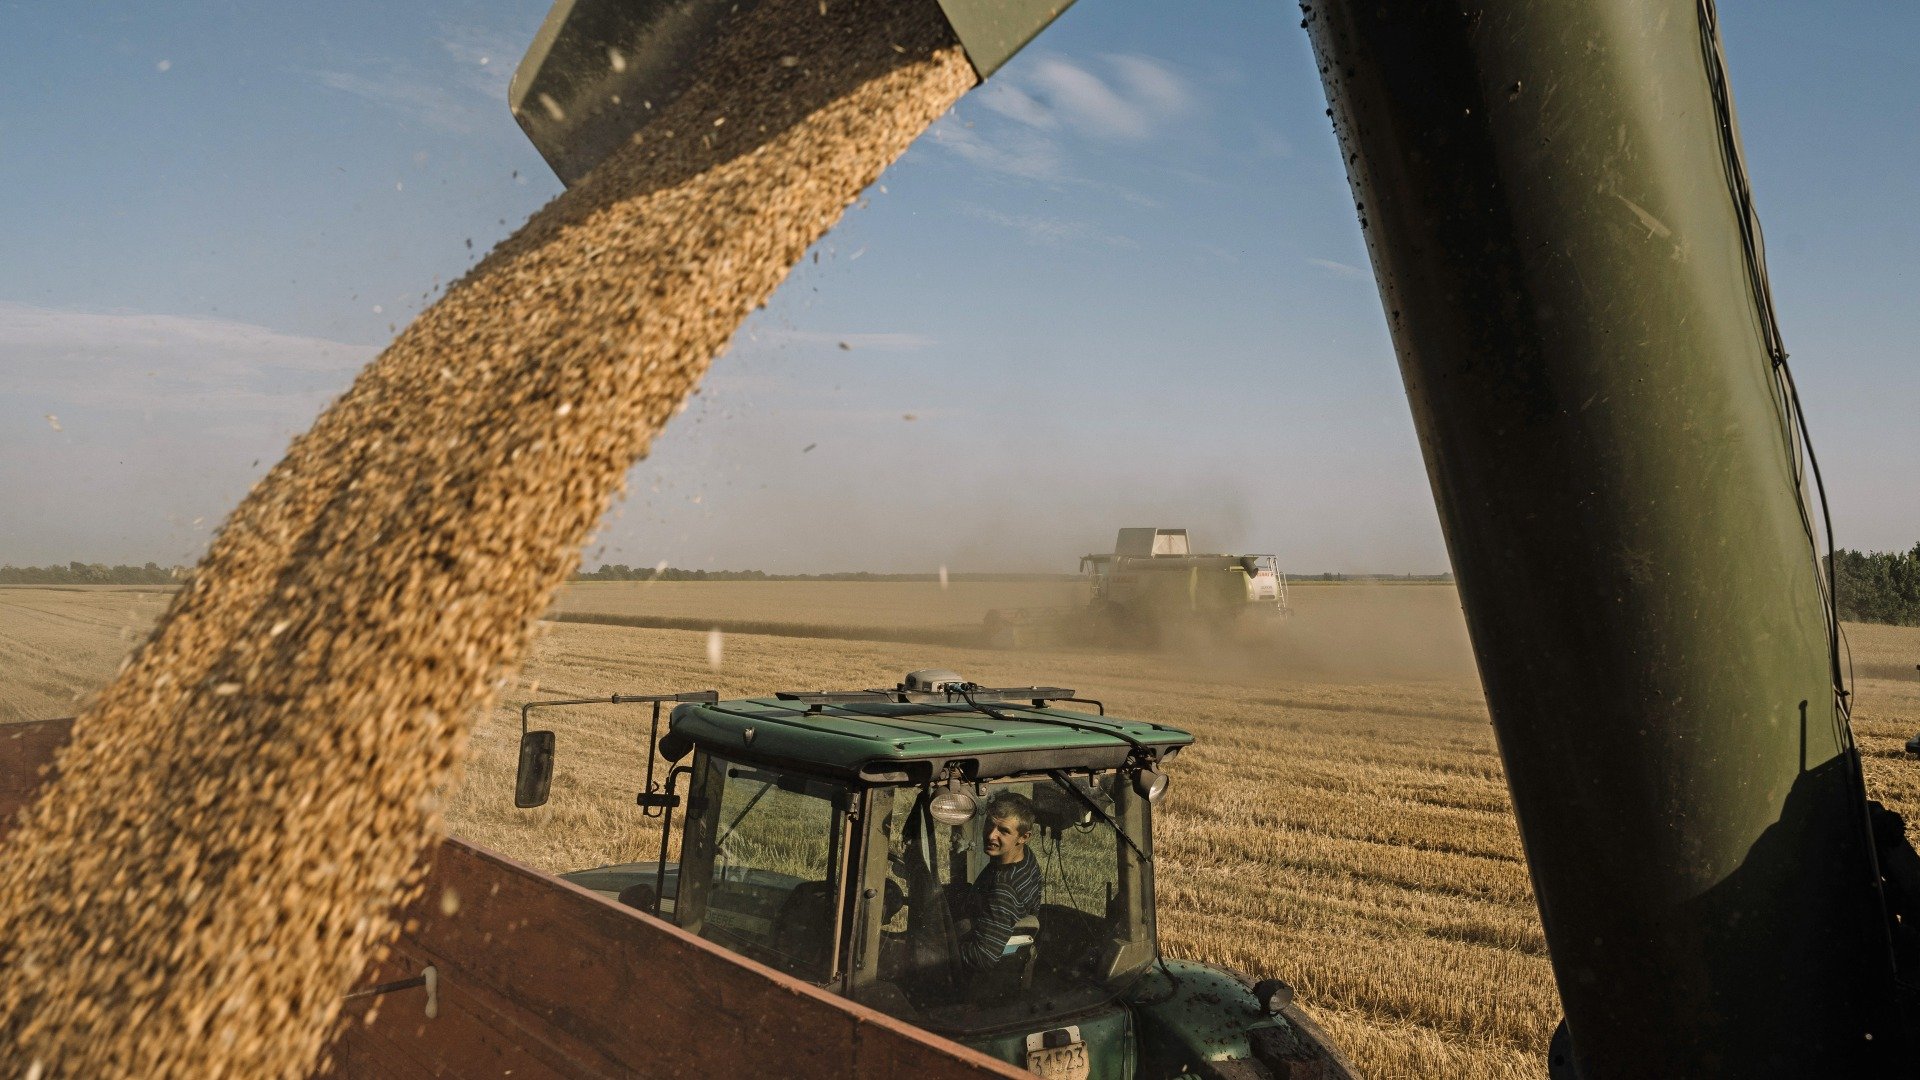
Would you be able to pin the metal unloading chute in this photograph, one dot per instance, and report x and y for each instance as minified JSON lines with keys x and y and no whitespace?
{"x":599,"y":70}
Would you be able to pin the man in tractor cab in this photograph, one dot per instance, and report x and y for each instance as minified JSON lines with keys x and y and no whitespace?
{"x":1008,"y":888}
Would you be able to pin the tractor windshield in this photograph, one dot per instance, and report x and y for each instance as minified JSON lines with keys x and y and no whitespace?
{"x":768,"y":882}
{"x":1036,"y":905}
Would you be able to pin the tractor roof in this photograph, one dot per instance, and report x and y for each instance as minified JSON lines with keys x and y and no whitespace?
{"x":901,"y":740}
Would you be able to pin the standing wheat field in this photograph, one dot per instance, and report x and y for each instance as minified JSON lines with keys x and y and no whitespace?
{"x":1342,"y":823}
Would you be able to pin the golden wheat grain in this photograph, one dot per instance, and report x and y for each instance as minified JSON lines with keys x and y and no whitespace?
{"x":254,"y":794}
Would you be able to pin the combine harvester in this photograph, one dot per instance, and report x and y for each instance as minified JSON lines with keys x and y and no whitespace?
{"x":1556,"y":205}
{"x":1152,"y":589}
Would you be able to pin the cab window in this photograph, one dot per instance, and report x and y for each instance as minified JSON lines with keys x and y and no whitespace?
{"x":771,"y":889}
{"x":949,"y":962}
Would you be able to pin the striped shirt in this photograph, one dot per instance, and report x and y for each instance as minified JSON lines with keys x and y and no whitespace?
{"x":1002,"y":895}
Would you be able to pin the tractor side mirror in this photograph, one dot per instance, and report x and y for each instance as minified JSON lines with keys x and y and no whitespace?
{"x":673,"y":746}
{"x":535,"y":777}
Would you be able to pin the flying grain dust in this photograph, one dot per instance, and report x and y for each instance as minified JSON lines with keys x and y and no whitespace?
{"x":239,"y":812}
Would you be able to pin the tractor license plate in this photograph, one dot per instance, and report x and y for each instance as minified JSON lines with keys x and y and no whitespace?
{"x":1067,"y":1062}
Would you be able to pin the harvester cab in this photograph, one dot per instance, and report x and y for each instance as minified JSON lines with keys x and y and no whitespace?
{"x":1153,"y":576}
{"x":1152,"y":587}
{"x":870,"y":842}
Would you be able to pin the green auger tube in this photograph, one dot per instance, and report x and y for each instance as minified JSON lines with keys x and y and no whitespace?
{"x":1554,"y":199}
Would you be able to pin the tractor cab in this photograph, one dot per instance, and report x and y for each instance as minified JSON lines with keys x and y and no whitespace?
{"x":976,"y":861}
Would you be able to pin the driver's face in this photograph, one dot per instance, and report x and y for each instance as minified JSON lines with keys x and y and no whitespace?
{"x":1006,"y":842}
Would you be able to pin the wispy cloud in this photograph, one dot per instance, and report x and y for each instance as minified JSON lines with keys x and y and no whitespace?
{"x":1340,"y":269}
{"x":1128,"y":99}
{"x":1150,"y":90}
{"x":169,"y":364}
{"x":1012,"y":151}
{"x":417,"y":99}
{"x":483,"y":60}
{"x":463,"y":94}
{"x":1269,"y":142}
{"x":873,"y":415}
{"x":1216,"y":253}
{"x":865,"y":340}
{"x":1057,"y":102}
{"x":1047,"y":231}
{"x":1014,"y":103}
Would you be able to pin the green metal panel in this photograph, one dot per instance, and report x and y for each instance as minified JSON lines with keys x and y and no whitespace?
{"x":1191,"y":1013}
{"x":846,"y":736}
{"x":993,"y":30}
{"x":1547,"y":202}
{"x":1195,"y":1019}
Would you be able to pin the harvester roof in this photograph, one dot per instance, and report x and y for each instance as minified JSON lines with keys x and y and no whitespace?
{"x":894,"y":737}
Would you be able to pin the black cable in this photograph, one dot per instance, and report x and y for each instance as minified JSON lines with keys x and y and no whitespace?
{"x":966,"y":691}
{"x":1754,"y":247}
{"x":1827,"y":575}
{"x":1060,"y":870}
{"x":1087,"y":801}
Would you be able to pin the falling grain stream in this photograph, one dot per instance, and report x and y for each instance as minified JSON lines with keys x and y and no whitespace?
{"x":240,"y":811}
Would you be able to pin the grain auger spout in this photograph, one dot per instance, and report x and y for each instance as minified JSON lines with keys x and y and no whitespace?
{"x":599,"y":71}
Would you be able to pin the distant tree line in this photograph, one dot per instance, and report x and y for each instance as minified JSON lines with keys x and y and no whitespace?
{"x":1330,"y":576}
{"x":79,"y":573}
{"x":623,"y":572}
{"x":1878,"y":586}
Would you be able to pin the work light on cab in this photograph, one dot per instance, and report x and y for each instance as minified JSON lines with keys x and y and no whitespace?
{"x":954,"y":806}
{"x":1150,"y":782}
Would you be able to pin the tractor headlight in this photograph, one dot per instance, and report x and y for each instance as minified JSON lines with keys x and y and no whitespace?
{"x":1273,"y":996}
{"x":953,"y":806}
{"x":1150,"y":782}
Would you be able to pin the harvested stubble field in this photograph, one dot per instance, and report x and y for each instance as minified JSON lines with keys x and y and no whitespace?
{"x":846,"y":605}
{"x":58,"y":644}
{"x":919,"y":612}
{"x":1343,"y":822}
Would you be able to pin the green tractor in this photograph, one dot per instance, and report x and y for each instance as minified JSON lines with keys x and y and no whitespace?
{"x":840,"y":838}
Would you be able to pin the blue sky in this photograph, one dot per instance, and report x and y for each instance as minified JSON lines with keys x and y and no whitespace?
{"x":1122,"y":284}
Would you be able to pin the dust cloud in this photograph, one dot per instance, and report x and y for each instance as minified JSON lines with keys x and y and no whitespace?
{"x":1359,"y":634}
{"x":1369,"y":632}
